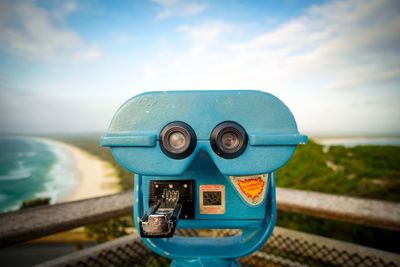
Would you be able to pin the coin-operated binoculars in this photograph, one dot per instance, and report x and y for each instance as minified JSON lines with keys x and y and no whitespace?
{"x":204,"y":159}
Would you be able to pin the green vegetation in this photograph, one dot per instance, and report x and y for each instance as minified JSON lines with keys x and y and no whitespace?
{"x":108,"y":230}
{"x":35,"y":203}
{"x":363,"y":171}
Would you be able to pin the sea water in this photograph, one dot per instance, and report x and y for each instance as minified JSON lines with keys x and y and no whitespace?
{"x":32,"y":168}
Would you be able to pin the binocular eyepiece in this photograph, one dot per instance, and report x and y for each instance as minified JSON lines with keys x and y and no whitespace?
{"x":178,"y":140}
{"x":228,"y":140}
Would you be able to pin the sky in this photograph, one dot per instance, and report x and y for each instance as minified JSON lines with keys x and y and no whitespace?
{"x":66,"y":66}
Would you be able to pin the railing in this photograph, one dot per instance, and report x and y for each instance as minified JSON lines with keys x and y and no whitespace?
{"x":24,"y":225}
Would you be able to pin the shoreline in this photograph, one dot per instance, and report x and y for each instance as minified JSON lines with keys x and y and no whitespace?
{"x":96,"y":176}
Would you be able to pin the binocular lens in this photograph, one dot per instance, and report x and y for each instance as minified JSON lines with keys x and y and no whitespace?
{"x":178,"y":140}
{"x":228,"y":140}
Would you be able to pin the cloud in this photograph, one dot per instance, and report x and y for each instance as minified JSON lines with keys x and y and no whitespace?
{"x":32,"y":31}
{"x":316,"y":43}
{"x":179,"y":8}
{"x":207,"y":35}
{"x":327,"y":56}
{"x":337,"y":66}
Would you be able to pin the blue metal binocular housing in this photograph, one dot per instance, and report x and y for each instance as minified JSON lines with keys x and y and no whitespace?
{"x":204,"y":159}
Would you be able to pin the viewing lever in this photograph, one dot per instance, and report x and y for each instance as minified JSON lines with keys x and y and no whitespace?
{"x":161,"y":218}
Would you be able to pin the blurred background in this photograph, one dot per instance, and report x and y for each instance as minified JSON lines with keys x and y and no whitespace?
{"x":66,"y":67}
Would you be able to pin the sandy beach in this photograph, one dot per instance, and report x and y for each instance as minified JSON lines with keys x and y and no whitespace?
{"x":96,"y":177}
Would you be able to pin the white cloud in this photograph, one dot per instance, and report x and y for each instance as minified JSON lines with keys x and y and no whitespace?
{"x":30,"y":30}
{"x":207,"y":35}
{"x":179,"y":8}
{"x":321,"y":59}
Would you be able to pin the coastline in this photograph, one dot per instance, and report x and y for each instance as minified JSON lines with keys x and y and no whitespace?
{"x":96,"y":177}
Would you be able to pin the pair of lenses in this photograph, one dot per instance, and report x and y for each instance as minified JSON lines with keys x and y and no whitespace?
{"x":178,"y":140}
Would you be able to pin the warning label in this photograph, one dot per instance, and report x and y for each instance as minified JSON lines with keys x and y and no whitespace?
{"x":251,"y":188}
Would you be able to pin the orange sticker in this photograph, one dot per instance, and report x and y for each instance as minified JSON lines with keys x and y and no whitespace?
{"x":252,"y":187}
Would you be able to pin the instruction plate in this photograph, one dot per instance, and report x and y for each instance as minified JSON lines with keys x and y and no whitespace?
{"x":212,"y":199}
{"x":251,"y":188}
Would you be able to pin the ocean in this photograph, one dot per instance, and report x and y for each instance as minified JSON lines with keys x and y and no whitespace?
{"x":32,"y":168}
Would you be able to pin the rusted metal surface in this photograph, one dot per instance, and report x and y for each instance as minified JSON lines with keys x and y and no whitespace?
{"x":24,"y":225}
{"x":21,"y":226}
{"x":285,"y":248}
{"x":376,"y":213}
